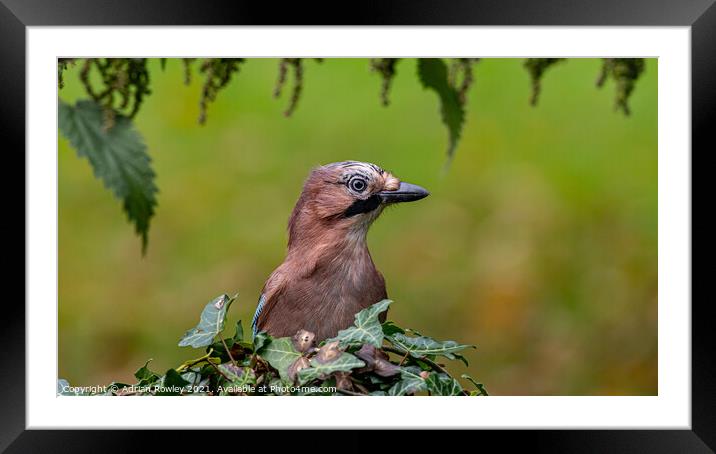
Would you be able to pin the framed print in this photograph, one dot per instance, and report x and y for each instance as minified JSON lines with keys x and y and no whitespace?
{"x":468,"y":216}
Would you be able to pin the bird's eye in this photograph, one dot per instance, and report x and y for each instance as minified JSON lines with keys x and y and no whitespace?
{"x":357,"y":184}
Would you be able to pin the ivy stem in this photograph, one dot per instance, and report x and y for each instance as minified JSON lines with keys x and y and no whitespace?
{"x":404,"y":358}
{"x":219,"y":371}
{"x":195,"y":362}
{"x":228,"y":352}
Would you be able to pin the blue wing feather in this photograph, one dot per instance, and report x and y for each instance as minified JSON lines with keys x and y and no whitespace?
{"x":259,"y":309}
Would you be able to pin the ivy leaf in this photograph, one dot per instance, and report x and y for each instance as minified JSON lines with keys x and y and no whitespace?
{"x":118,"y":157}
{"x":440,"y":384}
{"x":367,"y":328}
{"x":238,"y":376}
{"x":191,"y":376}
{"x":173,"y":378}
{"x":146,"y":376}
{"x":410,"y":382}
{"x":280,"y":354}
{"x":172,"y":383}
{"x":481,"y":391}
{"x":320,"y":370}
{"x":461,"y":358}
{"x":239,"y":334}
{"x":433,"y":74}
{"x":260,"y":339}
{"x":211,"y":323}
{"x":391,"y":328}
{"x":425,"y":346}
{"x":63,"y":388}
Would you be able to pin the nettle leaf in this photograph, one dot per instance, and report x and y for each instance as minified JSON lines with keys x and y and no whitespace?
{"x":118,"y":157}
{"x":280,"y":354}
{"x":440,"y":384}
{"x":433,"y":74}
{"x":426,"y":346}
{"x":410,"y":382}
{"x":367,"y":328}
{"x":318,"y":370}
{"x":211,"y":323}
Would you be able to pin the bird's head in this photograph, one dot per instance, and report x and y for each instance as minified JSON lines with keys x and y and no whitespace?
{"x":347,"y":197}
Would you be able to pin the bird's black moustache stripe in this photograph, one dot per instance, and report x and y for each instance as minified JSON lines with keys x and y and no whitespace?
{"x":363,"y":206}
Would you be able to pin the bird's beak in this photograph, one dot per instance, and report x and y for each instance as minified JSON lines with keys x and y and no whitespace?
{"x":406,"y":192}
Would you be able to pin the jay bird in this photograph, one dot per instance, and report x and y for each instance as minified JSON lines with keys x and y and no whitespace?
{"x":328,"y":274}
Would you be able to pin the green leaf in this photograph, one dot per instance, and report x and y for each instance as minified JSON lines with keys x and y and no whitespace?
{"x":280,"y":353}
{"x":172,"y":383}
{"x":424,"y":346}
{"x":367,"y":328}
{"x":114,"y":388}
{"x":481,"y":391}
{"x":191,"y":377}
{"x":433,"y":74}
{"x":63,"y":388}
{"x":239,"y":334}
{"x":410,"y":382}
{"x":261,"y":339}
{"x":391,"y":328}
{"x":461,"y":358}
{"x":238,"y":376}
{"x":173,"y":378}
{"x":536,"y":68}
{"x":211,"y":323}
{"x":146,"y":376}
{"x":440,"y":384}
{"x":118,"y":157}
{"x":318,"y":370}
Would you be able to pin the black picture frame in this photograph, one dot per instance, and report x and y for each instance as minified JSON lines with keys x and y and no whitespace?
{"x":700,"y":15}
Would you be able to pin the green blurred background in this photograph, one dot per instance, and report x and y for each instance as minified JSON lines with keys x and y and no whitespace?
{"x":539,"y":243}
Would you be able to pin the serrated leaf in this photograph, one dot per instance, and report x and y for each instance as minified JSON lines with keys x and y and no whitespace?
{"x":440,"y":384}
{"x":410,"y":382}
{"x":425,"y":346}
{"x":366,"y":328}
{"x":280,"y":354}
{"x":433,"y":74}
{"x":319,"y":370}
{"x":118,"y":157}
{"x":211,"y":323}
